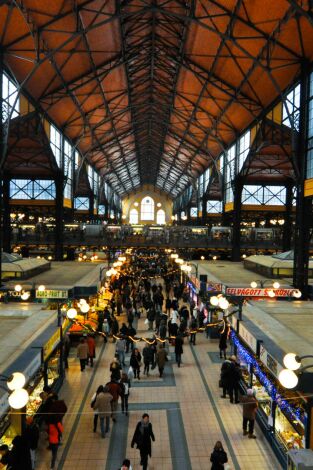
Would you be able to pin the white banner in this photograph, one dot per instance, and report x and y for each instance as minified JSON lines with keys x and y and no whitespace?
{"x":258,"y":292}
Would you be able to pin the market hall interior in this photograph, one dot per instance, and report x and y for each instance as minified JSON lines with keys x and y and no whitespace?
{"x":156,"y":190}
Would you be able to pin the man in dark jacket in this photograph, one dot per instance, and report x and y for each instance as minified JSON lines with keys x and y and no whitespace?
{"x":225,"y":376}
{"x":179,"y":341}
{"x":142,"y":438}
{"x":235,"y":376}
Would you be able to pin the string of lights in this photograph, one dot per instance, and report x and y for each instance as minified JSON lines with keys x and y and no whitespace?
{"x":270,"y":387}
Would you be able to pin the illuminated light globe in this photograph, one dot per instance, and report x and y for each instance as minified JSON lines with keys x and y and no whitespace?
{"x":25,"y":296}
{"x":291,"y":362}
{"x":223,"y":303}
{"x":214,"y":301}
{"x":179,"y":261}
{"x":271,"y":294}
{"x":174,"y":255}
{"x":113,"y":271}
{"x":18,"y":288}
{"x":18,"y":399}
{"x":41,"y":288}
{"x":82,"y":301}
{"x":84,"y":308}
{"x":214,"y":258}
{"x":17,"y":380}
{"x":188,"y":268}
{"x":296,"y":294}
{"x":109,"y":273}
{"x":288,"y":378}
{"x":276,"y":285}
{"x":254,"y":284}
{"x":71,"y":313}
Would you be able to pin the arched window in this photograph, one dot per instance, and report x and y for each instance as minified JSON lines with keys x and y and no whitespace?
{"x":133,"y":216}
{"x":160,"y":219}
{"x":147,"y":208}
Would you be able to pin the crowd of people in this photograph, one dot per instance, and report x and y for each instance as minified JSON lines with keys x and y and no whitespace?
{"x":171,"y":319}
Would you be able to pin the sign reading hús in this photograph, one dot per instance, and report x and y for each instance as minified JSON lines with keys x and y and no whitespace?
{"x":250,"y":292}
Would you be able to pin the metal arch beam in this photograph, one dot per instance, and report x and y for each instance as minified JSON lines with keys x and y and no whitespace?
{"x":255,"y":60}
{"x":209,"y":76}
{"x":308,"y":14}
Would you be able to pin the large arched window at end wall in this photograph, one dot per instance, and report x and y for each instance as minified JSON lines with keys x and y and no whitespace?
{"x":147,"y":208}
{"x":133,"y":216}
{"x":160,"y":218}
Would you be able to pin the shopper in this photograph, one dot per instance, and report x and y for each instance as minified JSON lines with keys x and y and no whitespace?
{"x":235,"y":375}
{"x":249,"y":410}
{"x":193,"y":330}
{"x":135,"y":362}
{"x":91,"y":349}
{"x":225,"y":376}
{"x":105,"y":330}
{"x":179,"y":341}
{"x":161,"y":358}
{"x":92,"y":404}
{"x":126,"y":465}
{"x":103,"y":406}
{"x":18,"y":458}
{"x":31,"y":435}
{"x":55,"y":431}
{"x":125,"y":386}
{"x":223,"y":340}
{"x":148,"y":356}
{"x":114,"y":388}
{"x":142,"y":438}
{"x":120,"y":348}
{"x":115,"y":369}
{"x":82,"y":353}
{"x":218,"y":457}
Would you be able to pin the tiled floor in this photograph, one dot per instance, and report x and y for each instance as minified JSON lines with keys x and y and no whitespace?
{"x":188,"y":417}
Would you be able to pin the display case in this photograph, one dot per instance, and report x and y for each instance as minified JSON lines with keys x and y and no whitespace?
{"x":264,"y":400}
{"x":291,"y":434}
{"x":10,"y":426}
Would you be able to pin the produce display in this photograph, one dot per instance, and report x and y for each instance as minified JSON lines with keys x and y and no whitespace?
{"x":287,"y":434}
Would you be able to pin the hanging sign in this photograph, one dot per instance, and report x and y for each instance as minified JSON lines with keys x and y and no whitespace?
{"x":270,"y":362}
{"x":51,"y":294}
{"x":258,"y":292}
{"x":213,"y":286}
{"x":195,"y":281}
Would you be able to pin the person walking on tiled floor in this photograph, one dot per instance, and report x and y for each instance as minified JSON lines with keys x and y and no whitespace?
{"x":82,"y":353}
{"x":142,"y":438}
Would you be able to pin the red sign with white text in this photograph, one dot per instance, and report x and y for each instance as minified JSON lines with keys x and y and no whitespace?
{"x":250,"y":292}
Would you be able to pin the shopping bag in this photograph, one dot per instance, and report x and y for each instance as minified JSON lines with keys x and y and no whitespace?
{"x":130,"y":373}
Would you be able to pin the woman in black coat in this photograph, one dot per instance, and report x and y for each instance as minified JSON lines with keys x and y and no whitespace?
{"x":223,"y":340}
{"x":135,"y":362}
{"x":142,"y":438}
{"x":218,"y":457}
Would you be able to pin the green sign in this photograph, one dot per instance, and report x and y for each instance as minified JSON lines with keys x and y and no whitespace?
{"x":51,"y":294}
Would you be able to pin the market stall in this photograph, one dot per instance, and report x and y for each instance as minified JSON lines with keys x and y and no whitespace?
{"x":282,"y":414}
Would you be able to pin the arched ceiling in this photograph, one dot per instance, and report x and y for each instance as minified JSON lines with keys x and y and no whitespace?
{"x":152,"y":91}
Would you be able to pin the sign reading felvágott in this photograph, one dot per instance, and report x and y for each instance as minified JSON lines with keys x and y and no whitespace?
{"x":250,"y":292}
{"x":51,"y":294}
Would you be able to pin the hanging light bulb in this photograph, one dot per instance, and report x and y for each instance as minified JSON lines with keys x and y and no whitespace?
{"x":296,"y":294}
{"x":271,"y":293}
{"x":84,"y":308}
{"x":288,"y":378}
{"x":25,"y":295}
{"x":17,"y":380}
{"x":254,"y":284}
{"x":276,"y":285}
{"x":214,"y":301}
{"x":18,"y":399}
{"x":82,"y":301}
{"x":18,"y":288}
{"x":291,"y":362}
{"x":41,"y":288}
{"x":109,"y":273}
{"x":223,"y":303}
{"x":71,"y":313}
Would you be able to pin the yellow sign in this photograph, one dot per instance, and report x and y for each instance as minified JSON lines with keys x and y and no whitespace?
{"x":51,"y":294}
{"x":51,"y":344}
